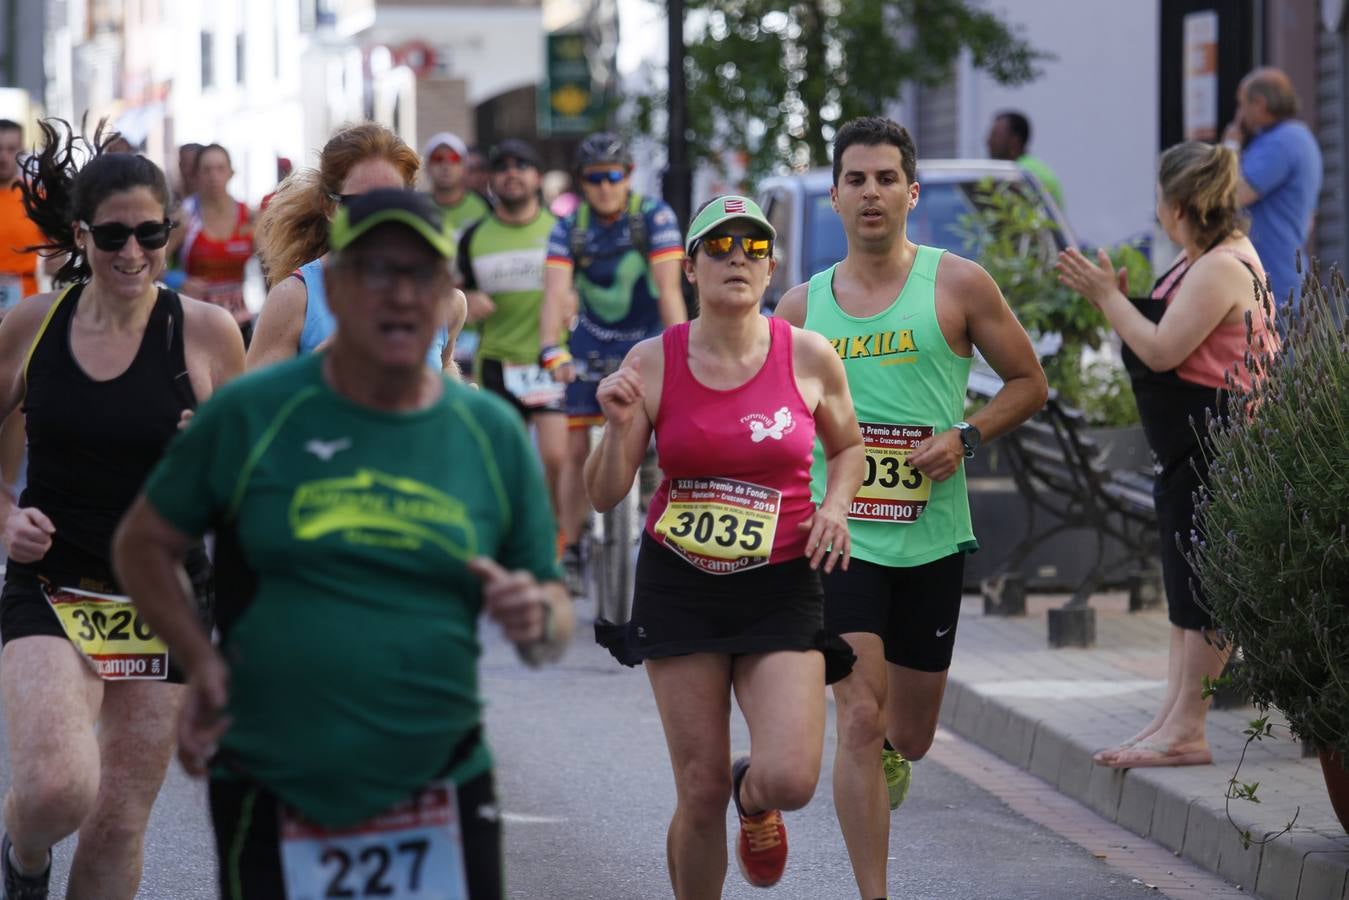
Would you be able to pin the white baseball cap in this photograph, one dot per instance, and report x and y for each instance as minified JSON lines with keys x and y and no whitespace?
{"x":446,"y":139}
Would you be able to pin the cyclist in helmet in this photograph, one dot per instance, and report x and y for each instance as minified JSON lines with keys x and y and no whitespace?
{"x":621,"y":253}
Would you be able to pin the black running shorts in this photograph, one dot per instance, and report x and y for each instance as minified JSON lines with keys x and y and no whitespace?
{"x":494,"y":380}
{"x":248,"y":846}
{"x":913,"y":609}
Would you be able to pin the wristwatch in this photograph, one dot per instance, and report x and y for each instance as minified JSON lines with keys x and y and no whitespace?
{"x":969,"y":437}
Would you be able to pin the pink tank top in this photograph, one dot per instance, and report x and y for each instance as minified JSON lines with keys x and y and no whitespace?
{"x":736,"y":462}
{"x":1225,"y":347}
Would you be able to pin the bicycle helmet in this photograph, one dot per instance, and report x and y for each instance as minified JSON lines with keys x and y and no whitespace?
{"x":602,"y":147}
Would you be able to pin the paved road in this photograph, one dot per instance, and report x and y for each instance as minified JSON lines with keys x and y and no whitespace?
{"x":587,"y":792}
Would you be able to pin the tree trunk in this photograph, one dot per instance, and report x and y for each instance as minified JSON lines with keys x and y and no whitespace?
{"x":815,"y":85}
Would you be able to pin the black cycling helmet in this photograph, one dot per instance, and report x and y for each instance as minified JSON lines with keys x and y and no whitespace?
{"x":602,"y":147}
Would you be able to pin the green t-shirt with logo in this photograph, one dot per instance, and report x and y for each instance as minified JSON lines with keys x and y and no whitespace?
{"x":505,"y":262}
{"x":353,"y":652}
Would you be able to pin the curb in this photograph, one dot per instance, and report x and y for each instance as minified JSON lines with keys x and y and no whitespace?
{"x":1298,"y":866}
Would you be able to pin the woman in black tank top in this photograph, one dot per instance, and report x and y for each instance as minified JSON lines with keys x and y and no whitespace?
{"x":104,"y":371}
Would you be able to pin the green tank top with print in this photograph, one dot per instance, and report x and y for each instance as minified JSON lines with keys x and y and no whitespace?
{"x":907,"y":384}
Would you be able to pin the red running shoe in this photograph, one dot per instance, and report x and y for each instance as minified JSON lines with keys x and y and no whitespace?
{"x":761,"y":850}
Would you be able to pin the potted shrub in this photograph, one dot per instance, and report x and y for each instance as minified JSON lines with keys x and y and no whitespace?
{"x":1270,"y":549}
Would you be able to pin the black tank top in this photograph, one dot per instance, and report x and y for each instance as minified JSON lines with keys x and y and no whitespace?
{"x":91,"y":444}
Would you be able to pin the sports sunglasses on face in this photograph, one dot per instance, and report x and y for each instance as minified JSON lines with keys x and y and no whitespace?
{"x":112,"y":236}
{"x":441,"y":156}
{"x":721,"y":246}
{"x":599,"y":176}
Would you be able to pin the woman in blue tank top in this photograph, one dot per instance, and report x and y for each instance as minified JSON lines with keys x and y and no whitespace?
{"x":292,"y":237}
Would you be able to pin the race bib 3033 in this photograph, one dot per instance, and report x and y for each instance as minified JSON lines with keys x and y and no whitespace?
{"x":893,"y":490}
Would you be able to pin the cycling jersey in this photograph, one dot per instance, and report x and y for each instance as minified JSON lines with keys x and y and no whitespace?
{"x":619,"y":297}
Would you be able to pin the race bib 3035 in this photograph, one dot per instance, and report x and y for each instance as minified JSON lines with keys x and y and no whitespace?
{"x":720,"y":525}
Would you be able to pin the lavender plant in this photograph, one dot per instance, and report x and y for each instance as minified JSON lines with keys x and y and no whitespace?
{"x":1270,"y":548}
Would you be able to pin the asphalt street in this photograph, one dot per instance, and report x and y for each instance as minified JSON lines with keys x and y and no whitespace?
{"x":586,"y":794}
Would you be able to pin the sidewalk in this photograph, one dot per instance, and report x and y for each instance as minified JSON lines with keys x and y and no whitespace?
{"x":1048,"y":710}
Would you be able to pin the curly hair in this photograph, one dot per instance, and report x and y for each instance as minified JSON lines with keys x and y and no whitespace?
{"x":58,"y":190}
{"x":293,"y":230}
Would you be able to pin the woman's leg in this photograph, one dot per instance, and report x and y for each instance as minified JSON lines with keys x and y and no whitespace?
{"x":51,"y":701}
{"x":693,"y":696}
{"x":1175,"y":661}
{"x":1181,"y":739}
{"x":135,"y":735}
{"x":782,"y":697}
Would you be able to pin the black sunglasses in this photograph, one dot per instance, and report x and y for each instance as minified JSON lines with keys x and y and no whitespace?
{"x":112,"y":236}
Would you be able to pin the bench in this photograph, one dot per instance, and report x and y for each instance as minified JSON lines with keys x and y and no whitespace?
{"x":1060,"y":474}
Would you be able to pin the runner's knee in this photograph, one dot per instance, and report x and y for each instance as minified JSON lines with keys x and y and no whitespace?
{"x":703,"y":799}
{"x":860,"y":723}
{"x":913,"y":748}
{"x":54,"y":799}
{"x":784,"y":787}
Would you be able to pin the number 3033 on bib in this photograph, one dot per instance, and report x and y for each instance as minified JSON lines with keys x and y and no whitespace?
{"x":893,"y":490}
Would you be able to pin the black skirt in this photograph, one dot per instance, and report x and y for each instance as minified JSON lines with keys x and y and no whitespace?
{"x":678,"y":610}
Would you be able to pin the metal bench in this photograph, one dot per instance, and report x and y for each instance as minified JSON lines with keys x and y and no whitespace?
{"x":1060,"y":475}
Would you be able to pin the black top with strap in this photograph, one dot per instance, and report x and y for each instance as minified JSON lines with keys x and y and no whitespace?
{"x":91,"y":444}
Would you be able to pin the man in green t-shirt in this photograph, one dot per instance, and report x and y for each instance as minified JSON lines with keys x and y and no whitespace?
{"x":906,"y":321}
{"x":366,"y":510}
{"x":1009,"y":139}
{"x":500,"y":263}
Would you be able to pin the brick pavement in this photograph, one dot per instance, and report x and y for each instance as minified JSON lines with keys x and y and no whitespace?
{"x":1047,"y":710}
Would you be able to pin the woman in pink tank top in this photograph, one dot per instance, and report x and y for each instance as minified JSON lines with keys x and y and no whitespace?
{"x":727,"y":593}
{"x":1181,"y":345}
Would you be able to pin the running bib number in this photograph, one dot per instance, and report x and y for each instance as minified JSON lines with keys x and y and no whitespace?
{"x":11,"y":292}
{"x":532,"y":386}
{"x":108,"y":630}
{"x":893,"y":490}
{"x":719,"y":525}
{"x":412,"y":852}
{"x":230,"y":296}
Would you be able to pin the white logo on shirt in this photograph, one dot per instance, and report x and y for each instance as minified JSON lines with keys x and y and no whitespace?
{"x":762,"y":427}
{"x":326,"y":450}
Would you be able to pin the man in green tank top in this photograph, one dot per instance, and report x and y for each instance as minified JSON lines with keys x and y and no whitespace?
{"x":905,"y":320}
{"x":500,"y":263}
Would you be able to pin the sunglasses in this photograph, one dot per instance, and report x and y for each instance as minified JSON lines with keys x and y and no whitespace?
{"x":503,"y":165}
{"x":445,"y":156}
{"x":720,"y":246}
{"x":600,"y":176}
{"x":112,"y":236}
{"x":379,"y":275}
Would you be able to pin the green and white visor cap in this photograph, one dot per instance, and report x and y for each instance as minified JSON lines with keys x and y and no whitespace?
{"x":723,"y":210}
{"x":358,"y":215}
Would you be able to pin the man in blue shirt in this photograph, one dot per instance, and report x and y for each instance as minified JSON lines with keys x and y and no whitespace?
{"x":1280,"y":174}
{"x":621,"y":254}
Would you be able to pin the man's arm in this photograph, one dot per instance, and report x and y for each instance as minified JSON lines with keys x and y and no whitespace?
{"x":667,"y":273}
{"x":1006,"y":347}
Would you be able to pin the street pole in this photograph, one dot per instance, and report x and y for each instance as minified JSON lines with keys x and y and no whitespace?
{"x":678,"y":185}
